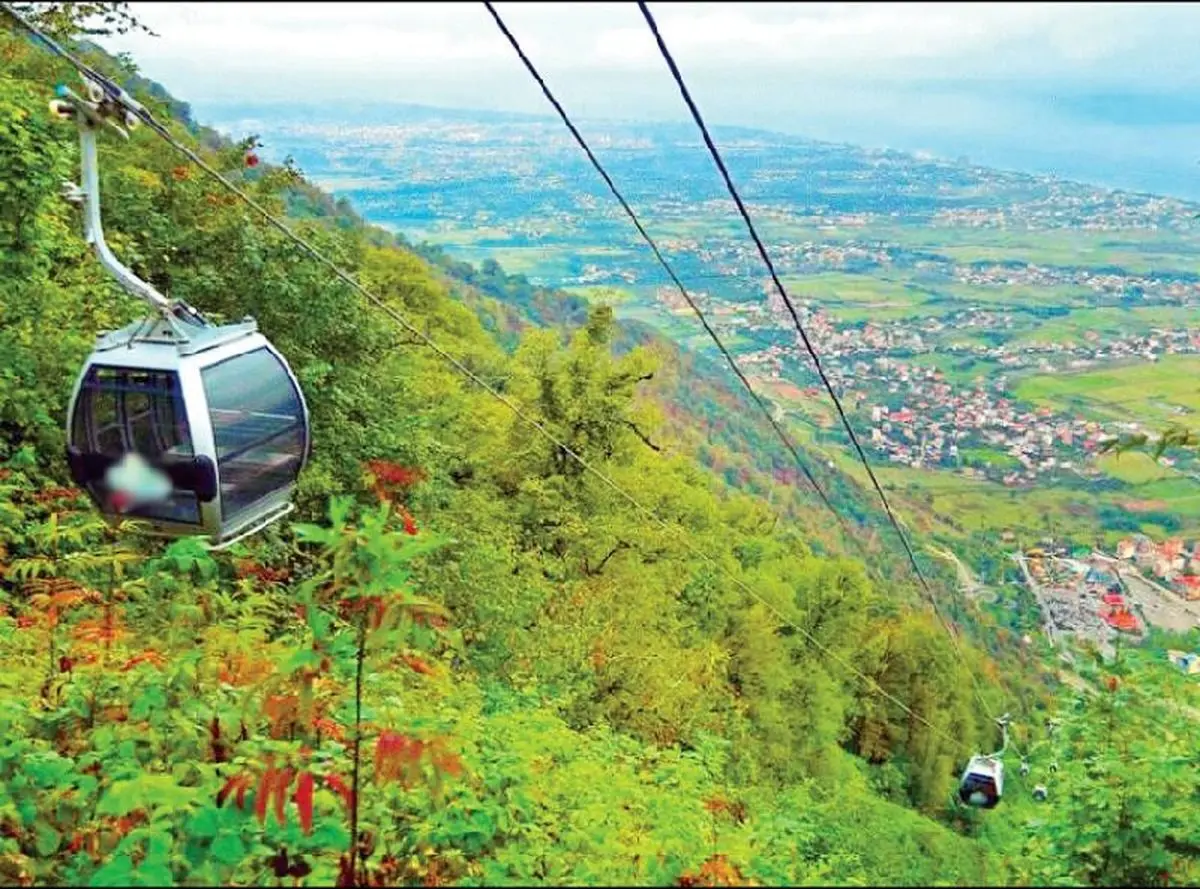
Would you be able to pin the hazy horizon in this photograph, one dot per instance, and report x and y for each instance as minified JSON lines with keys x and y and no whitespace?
{"x":1103,"y":93}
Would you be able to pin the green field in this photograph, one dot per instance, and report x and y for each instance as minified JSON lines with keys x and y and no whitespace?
{"x":1134,"y":468}
{"x":612,"y":296}
{"x":1134,"y":251}
{"x":988,"y":456}
{"x":1154,"y":394}
{"x":961,"y":370}
{"x":1110,"y":320}
{"x":851,"y":298}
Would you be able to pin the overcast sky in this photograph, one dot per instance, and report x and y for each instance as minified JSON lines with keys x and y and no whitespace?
{"x":1109,"y":92}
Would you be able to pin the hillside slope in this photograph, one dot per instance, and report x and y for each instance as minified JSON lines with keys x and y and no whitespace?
{"x":474,"y":654}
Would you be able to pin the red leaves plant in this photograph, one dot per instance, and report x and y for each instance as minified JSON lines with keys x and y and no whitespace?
{"x":718,"y":805}
{"x":399,"y":757}
{"x":342,"y":789}
{"x":240,"y":669}
{"x":272,"y":785}
{"x":393,"y":475}
{"x":304,"y":801}
{"x":248,"y":568}
{"x":50,"y":596}
{"x":106,"y":630}
{"x":392,"y":479}
{"x":218,"y":746}
{"x":410,"y":524}
{"x":378,"y":607}
{"x":50,"y":495}
{"x":374,"y":606}
{"x":272,"y":792}
{"x":238,"y":784}
{"x":328,"y":728}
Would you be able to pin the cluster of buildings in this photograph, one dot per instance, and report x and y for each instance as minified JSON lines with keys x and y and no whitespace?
{"x":1173,"y":561}
{"x":1069,"y":206}
{"x":1082,"y":598}
{"x":920,"y":418}
{"x":1109,"y":283}
{"x":939,"y":426}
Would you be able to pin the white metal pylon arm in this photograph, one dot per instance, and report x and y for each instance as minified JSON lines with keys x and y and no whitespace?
{"x":1003,"y":723}
{"x":90,"y":116}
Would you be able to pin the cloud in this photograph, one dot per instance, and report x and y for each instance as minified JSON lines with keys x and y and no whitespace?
{"x":1052,"y":81}
{"x":844,"y":40}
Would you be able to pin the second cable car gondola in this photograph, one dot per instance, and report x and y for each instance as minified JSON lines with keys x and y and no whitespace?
{"x":191,"y":427}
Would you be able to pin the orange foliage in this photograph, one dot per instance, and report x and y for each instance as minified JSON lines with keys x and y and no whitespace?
{"x":329,"y":728}
{"x":397,"y":756}
{"x":149,"y":656}
{"x":417,"y":665}
{"x":51,"y":596}
{"x":429,"y":619}
{"x":115,"y":713}
{"x":375,"y":606}
{"x":248,"y":568}
{"x":104,"y":630}
{"x":716,"y":871}
{"x":282,"y":711}
{"x":49,"y":495}
{"x":448,"y":762}
{"x":241,"y":669}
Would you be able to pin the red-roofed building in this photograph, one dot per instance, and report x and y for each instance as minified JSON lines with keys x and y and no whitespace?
{"x":1122,"y":620}
{"x":1190,"y":584}
{"x":1117,"y":615}
{"x":1172,"y":549}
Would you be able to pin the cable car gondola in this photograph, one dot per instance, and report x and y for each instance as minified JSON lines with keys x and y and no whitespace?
{"x":982,"y":782}
{"x":191,"y":427}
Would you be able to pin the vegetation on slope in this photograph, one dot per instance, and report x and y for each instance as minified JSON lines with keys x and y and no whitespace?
{"x":471,"y":654}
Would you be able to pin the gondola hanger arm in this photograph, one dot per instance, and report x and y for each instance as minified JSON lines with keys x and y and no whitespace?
{"x":1003,"y":723}
{"x":102,"y":108}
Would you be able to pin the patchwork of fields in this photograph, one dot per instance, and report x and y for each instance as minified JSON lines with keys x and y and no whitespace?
{"x":987,"y":328}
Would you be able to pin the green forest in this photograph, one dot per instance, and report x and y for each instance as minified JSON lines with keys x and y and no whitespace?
{"x":465,"y":660}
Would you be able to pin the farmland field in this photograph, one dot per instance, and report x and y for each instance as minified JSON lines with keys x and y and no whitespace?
{"x":1164,"y":392}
